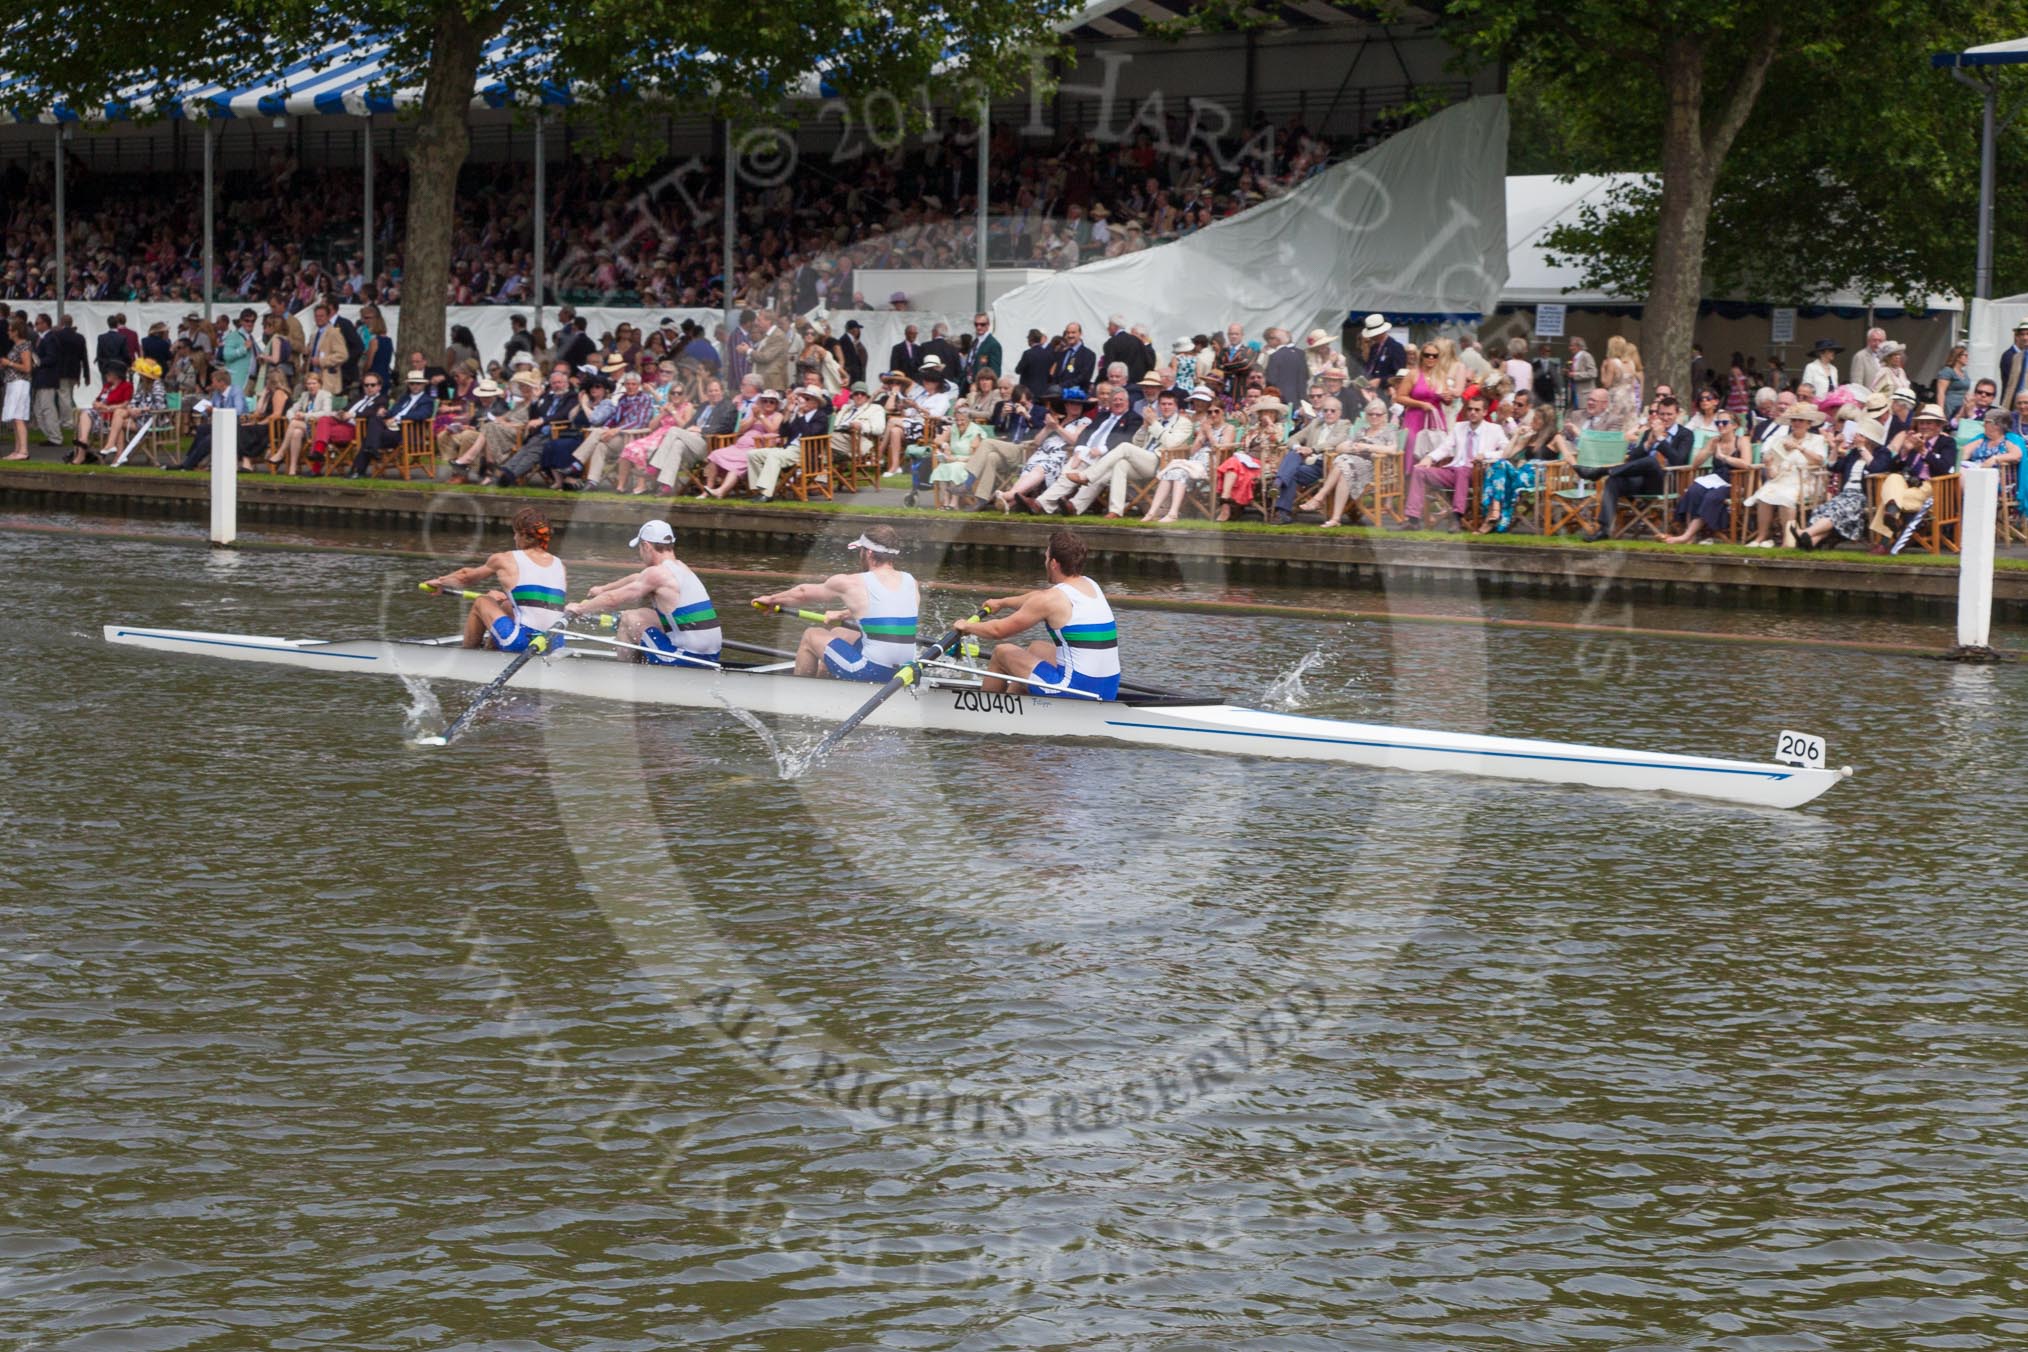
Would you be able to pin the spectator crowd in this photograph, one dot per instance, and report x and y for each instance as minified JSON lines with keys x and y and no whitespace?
{"x":1273,"y":426}
{"x":652,"y":238}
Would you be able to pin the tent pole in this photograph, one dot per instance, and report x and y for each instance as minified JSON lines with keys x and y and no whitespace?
{"x":1989,"y":91}
{"x":541,"y":221}
{"x":62,"y":274}
{"x":728,"y":226}
{"x":366,"y":235}
{"x":1982,"y":281}
{"x":210,"y":137}
{"x":985,"y":135}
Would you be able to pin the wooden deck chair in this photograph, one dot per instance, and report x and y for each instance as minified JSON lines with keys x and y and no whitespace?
{"x":2012,"y":528}
{"x":1745,"y":483}
{"x":418,"y":448}
{"x":812,"y":472}
{"x":1386,"y":497}
{"x":1574,"y":506}
{"x":1938,"y":533}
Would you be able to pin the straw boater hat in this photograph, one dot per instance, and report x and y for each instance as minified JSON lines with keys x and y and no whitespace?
{"x":527,"y":380}
{"x":1203,"y":394}
{"x":416,"y":377}
{"x":1183,"y":347}
{"x":486,"y":389}
{"x":895,"y":378}
{"x":1317,"y":338}
{"x":1904,"y":397}
{"x":1930,"y":413}
{"x":775,"y":395}
{"x":1151,"y":380}
{"x":1269,"y":406}
{"x":1376,"y":326}
{"x":1878,"y":402}
{"x":930,"y":363}
{"x":1871,"y":430}
{"x":1809,"y":413}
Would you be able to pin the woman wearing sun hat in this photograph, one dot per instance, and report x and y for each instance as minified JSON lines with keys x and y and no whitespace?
{"x":1784,"y":459}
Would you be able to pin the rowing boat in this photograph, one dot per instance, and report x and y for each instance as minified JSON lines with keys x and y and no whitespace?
{"x":951,"y":700}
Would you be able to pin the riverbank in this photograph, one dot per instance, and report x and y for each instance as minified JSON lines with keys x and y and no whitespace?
{"x":1844,"y":581}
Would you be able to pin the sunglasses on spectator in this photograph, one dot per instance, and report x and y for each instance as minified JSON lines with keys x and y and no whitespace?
{"x":1721,"y":422}
{"x":1429,"y":352}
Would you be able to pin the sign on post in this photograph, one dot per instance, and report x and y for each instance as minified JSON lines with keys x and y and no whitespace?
{"x":1782,"y":331}
{"x":1549,"y":320}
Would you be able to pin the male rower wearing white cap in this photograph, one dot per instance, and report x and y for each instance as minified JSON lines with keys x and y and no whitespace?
{"x":672,"y":614}
{"x":881,"y":600}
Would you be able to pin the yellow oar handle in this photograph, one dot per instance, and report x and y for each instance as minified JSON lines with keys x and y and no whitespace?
{"x":813,"y":616}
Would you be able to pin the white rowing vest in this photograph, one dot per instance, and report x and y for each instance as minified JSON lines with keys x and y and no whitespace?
{"x":539,"y":591}
{"x":1089,"y":642}
{"x":888,"y":626}
{"x":693,"y":624}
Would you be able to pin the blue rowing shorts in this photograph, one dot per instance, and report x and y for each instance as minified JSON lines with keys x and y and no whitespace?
{"x":659,"y":640}
{"x":511,"y":636}
{"x":1100,"y":687}
{"x":847,"y":663}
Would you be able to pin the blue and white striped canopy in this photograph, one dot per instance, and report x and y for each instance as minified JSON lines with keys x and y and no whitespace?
{"x":344,"y":77}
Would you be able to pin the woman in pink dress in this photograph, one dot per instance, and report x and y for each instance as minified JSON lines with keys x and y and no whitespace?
{"x":726,"y":466}
{"x":1421,"y":396}
{"x":677,"y":412}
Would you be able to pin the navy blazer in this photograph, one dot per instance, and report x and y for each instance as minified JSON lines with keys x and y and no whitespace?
{"x":1074,"y":366}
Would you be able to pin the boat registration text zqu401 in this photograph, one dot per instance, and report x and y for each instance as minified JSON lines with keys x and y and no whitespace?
{"x":987,"y":702}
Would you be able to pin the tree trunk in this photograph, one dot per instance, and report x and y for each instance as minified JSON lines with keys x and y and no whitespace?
{"x":434,"y":159}
{"x":1692,"y":155}
{"x":1676,"y":280}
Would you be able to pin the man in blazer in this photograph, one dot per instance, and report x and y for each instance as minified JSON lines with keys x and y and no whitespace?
{"x":1076,"y":366}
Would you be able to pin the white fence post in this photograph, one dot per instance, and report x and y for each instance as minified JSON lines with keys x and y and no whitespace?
{"x":224,"y":477}
{"x":1975,"y":556}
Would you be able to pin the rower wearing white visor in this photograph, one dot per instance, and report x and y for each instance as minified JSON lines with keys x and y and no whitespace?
{"x":1081,"y":658}
{"x":882,"y":602}
{"x":665,"y":611}
{"x":529,"y":595}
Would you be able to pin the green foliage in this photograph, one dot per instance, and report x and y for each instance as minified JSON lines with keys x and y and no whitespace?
{"x":1857,"y":167}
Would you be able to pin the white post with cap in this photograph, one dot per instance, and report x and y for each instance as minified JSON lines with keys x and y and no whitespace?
{"x":1976,"y":528}
{"x":224,"y":477}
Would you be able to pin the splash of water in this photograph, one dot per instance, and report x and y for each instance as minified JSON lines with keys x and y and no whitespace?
{"x":790,"y":761}
{"x":1287,"y":692}
{"x":423,"y":714}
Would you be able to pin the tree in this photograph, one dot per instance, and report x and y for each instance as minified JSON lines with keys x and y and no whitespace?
{"x":612,"y":56}
{"x":1788,"y":152}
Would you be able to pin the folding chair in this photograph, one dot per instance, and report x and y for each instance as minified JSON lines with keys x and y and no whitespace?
{"x":418,"y":448}
{"x":812,"y":473}
{"x":1386,"y":498}
{"x":1574,"y":506}
{"x":1937,"y":532}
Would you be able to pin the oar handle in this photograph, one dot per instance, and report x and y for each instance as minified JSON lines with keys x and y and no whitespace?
{"x":813,"y":616}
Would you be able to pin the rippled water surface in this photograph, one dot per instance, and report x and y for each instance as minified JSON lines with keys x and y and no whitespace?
{"x":591,"y":1032}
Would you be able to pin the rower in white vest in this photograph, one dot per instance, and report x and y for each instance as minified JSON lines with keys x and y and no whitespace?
{"x":529,"y":593}
{"x":1081,"y":658}
{"x":881,"y":600}
{"x":672,"y":613}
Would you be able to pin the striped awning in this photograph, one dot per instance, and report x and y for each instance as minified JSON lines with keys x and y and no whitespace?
{"x":345,"y":77}
{"x":1129,"y":18}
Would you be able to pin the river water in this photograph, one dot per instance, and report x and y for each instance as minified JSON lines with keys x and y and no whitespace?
{"x":592,"y":1031}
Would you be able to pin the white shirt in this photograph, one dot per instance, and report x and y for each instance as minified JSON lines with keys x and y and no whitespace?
{"x":1520,"y":372}
{"x":1823,"y":374}
{"x":1467,"y":443}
